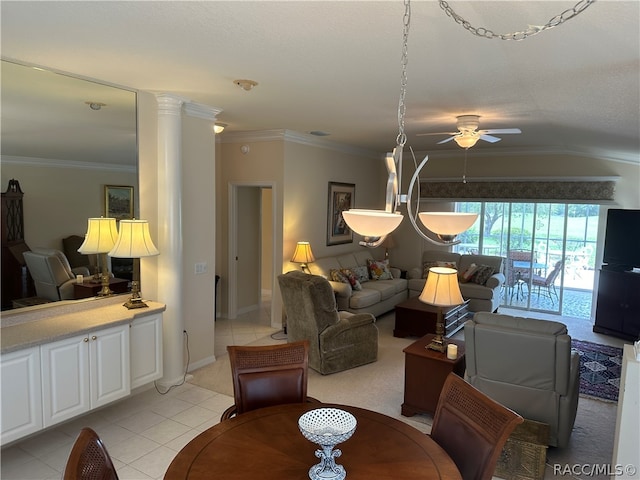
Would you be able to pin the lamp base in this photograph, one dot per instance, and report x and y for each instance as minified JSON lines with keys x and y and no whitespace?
{"x":437,"y":344}
{"x":135,"y":303}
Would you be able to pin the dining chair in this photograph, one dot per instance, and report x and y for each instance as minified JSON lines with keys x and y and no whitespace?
{"x":89,"y":459}
{"x":471,"y":427}
{"x":268,"y":375}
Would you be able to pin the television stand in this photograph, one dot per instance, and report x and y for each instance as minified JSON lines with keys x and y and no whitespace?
{"x":618,"y":308}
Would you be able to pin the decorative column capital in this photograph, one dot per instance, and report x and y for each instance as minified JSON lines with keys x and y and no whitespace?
{"x":170,"y":104}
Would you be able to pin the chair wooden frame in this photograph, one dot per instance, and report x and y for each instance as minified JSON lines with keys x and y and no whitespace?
{"x":286,"y":365}
{"x":471,"y":427}
{"x":89,"y":459}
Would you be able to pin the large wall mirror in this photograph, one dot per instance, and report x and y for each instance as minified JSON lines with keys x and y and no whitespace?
{"x":64,"y":139}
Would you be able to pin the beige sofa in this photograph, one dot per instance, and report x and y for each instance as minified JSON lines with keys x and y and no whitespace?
{"x":375,"y":296}
{"x":483,"y":297}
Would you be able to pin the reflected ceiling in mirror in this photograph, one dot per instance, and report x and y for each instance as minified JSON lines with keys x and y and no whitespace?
{"x":49,"y":115}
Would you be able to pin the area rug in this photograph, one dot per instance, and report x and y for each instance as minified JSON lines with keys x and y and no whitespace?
{"x":600,"y":367}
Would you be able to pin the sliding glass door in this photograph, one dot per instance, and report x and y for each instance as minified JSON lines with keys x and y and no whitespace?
{"x":548,"y":250}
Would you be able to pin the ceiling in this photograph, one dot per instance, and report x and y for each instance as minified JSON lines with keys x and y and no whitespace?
{"x":334,"y":66}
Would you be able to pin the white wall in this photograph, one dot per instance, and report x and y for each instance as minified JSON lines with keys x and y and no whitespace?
{"x":58,"y":200}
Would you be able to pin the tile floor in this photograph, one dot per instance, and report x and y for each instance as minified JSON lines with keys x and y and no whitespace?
{"x":144,"y":432}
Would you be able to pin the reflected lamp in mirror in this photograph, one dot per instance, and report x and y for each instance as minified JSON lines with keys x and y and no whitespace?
{"x":134,"y":241}
{"x":388,"y":243}
{"x":303,"y":255}
{"x":441,"y":290}
{"x":100,"y":238}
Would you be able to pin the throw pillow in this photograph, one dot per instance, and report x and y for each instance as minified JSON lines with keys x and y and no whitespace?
{"x":482,"y":274}
{"x":379,"y":270}
{"x":361,"y":272}
{"x":426,"y":266}
{"x":337,"y":276}
{"x":465,"y":276}
{"x":353,"y":280}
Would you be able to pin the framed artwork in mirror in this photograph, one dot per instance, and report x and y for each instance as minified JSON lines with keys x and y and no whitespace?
{"x":341,"y":197}
{"x":118,"y":202}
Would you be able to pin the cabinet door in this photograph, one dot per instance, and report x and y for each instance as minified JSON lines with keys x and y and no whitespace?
{"x":109,"y":360}
{"x":610,"y":309}
{"x":146,"y":350}
{"x":65,"y":379}
{"x":21,"y":394}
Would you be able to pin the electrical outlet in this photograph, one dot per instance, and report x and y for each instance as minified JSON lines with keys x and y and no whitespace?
{"x":201,"y":267}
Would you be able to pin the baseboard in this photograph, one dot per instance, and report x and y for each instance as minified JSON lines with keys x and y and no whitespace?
{"x":201,"y":363}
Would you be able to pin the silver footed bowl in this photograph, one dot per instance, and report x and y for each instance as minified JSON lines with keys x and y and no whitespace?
{"x":327,"y":426}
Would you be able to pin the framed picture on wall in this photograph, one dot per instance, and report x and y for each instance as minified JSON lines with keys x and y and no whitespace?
{"x":341,"y":197}
{"x":118,"y":202}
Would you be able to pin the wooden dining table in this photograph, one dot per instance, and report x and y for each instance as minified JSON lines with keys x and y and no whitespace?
{"x":267,"y":444}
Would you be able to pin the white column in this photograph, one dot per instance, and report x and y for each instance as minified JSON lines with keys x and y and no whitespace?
{"x":170,"y":234}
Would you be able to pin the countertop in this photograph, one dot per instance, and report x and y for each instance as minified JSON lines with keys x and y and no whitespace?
{"x":30,"y":327}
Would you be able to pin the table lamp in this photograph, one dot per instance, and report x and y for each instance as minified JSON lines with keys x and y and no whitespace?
{"x":441,"y":290}
{"x":134,"y":242}
{"x":100,"y":238}
{"x":303,"y":255}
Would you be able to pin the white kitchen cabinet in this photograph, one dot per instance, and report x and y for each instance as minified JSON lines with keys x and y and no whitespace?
{"x":22,"y":409}
{"x":84,"y":372}
{"x":146,"y":349}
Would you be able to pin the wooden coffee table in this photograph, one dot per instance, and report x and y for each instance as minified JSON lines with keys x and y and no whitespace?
{"x":88,"y":288}
{"x":416,"y":319}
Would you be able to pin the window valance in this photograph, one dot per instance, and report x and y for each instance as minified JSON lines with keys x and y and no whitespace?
{"x":584,"y":190}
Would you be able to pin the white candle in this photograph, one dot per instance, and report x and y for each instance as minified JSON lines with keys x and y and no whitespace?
{"x":79,"y":278}
{"x":452,"y":351}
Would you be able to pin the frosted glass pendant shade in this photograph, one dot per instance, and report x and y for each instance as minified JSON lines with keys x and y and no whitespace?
{"x":447,"y":223}
{"x":372,"y":223}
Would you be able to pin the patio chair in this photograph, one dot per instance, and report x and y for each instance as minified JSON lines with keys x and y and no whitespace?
{"x":547,"y":284}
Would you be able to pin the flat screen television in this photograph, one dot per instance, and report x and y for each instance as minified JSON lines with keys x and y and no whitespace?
{"x":622,"y":240}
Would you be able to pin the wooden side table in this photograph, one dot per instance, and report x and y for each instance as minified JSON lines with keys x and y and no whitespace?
{"x":415,"y":318}
{"x":424,"y":374}
{"x":89,"y":289}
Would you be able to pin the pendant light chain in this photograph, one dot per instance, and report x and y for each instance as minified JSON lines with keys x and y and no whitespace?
{"x":568,"y":14}
{"x":401,"y":140}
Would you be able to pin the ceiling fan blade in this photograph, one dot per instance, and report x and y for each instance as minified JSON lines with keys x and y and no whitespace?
{"x":501,"y":130}
{"x":446,"y":140}
{"x":489,"y":138}
{"x":436,"y":133}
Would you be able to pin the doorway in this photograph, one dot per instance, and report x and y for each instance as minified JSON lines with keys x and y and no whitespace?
{"x":251,"y":248}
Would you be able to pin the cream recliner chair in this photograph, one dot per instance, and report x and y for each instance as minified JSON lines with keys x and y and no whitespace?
{"x":528,"y":366}
{"x":337,"y":340}
{"x":52,"y":275}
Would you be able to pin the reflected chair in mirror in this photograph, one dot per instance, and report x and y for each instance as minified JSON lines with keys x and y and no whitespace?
{"x":471,"y":427}
{"x":338,"y":340}
{"x":527,"y":365}
{"x":70,"y":246}
{"x":547,"y":284}
{"x":89,"y":459}
{"x":52,"y":275}
{"x":268,"y":375}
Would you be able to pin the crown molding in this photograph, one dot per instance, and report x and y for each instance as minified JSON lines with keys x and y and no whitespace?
{"x":293,"y":137}
{"x":56,"y":163}
{"x":520,"y":179}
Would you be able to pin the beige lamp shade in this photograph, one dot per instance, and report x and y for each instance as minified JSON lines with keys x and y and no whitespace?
{"x":101,"y":236}
{"x":372,"y":223}
{"x":134,"y":240}
{"x":303,"y":254}
{"x":447,"y":223}
{"x":441,"y":288}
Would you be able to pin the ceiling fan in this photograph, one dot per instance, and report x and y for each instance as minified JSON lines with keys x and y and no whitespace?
{"x":468,"y":133}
